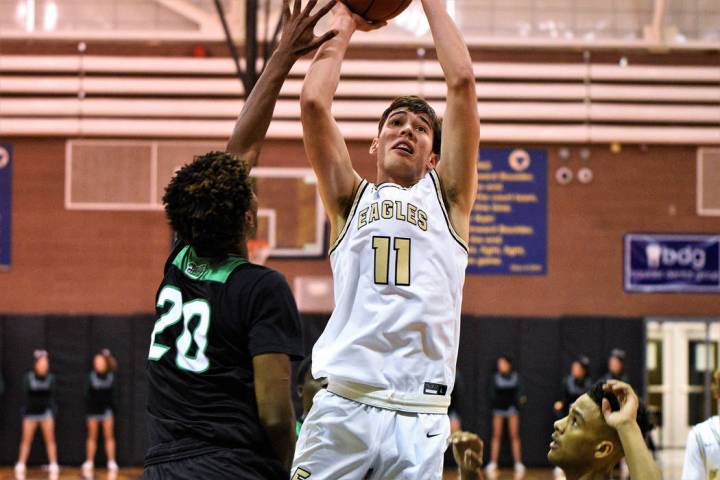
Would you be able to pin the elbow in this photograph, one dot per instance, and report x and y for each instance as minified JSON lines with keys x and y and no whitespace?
{"x":464,"y":81}
{"x":311,"y":102}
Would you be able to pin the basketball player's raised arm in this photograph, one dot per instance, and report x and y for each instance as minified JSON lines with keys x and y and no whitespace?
{"x":457,"y":168}
{"x":324,"y":144}
{"x":297,"y":40}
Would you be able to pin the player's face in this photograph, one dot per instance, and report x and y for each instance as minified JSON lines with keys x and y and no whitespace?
{"x":42,"y":366}
{"x":577,"y":370}
{"x":615,"y":365}
{"x":100,"y":364}
{"x":581,"y":439}
{"x":404,"y":146}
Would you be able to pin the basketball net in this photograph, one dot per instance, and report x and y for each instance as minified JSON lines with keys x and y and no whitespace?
{"x":258,"y":251}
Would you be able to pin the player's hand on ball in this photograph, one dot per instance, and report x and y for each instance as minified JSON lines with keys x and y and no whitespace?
{"x":298,"y":37}
{"x":342,"y":11}
{"x":468,"y":451}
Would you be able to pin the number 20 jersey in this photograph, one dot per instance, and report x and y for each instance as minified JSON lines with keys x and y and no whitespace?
{"x":399,"y":270}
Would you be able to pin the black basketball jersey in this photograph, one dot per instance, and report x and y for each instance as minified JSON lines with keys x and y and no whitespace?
{"x":212,"y":319}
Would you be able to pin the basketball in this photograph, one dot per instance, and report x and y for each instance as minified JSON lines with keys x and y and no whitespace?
{"x":378,"y":10}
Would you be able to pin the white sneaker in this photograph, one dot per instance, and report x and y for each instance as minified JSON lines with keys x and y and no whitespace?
{"x":491,"y":467}
{"x":519,"y":468}
{"x":20,"y":470}
{"x":112,"y":466}
{"x":54,"y":468}
{"x":87,"y":468}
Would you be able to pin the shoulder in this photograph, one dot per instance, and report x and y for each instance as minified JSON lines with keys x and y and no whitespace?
{"x":257,"y":278}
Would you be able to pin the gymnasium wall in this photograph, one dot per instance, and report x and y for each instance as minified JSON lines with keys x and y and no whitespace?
{"x":85,"y":262}
{"x":543,"y":348}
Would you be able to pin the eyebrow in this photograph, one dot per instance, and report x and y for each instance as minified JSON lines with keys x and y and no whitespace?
{"x":404,"y":112}
{"x":577,"y":412}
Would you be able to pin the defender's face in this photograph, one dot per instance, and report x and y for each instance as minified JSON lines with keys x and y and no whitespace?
{"x":404,"y":146}
{"x":577,"y":436}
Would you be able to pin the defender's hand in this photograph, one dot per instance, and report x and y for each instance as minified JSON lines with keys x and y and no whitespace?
{"x":298,"y":38}
{"x":468,"y":451}
{"x":629,"y":404}
{"x":342,"y":12}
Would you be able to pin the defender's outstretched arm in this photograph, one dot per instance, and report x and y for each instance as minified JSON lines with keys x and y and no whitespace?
{"x":324,"y":144}
{"x":297,"y":40}
{"x":461,"y":126}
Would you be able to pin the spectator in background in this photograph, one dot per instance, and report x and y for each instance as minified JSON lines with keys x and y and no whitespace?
{"x":616,"y":366}
{"x":39,"y":409}
{"x":100,"y":409}
{"x":702,"y":451}
{"x":574,"y":386}
{"x":307,"y":387}
{"x":507,"y":396}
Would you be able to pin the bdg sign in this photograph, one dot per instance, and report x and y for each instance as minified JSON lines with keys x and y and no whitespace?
{"x":672,"y":263}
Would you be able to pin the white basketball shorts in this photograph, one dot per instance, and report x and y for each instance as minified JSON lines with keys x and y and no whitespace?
{"x":346,"y":440}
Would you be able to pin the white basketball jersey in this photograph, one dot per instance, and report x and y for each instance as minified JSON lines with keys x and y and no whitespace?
{"x":399,"y":269}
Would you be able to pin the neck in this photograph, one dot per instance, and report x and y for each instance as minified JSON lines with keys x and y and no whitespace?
{"x":402,"y":180}
{"x":586,"y":475}
{"x":242,"y":250}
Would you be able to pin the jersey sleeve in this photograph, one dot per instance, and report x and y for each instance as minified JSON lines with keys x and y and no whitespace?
{"x":694,"y":465}
{"x":274,"y":320}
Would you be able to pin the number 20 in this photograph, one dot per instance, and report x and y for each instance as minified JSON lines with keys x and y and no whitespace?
{"x":381,"y":245}
{"x":185,"y":311}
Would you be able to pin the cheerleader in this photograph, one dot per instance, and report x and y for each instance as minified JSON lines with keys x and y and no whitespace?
{"x":507,"y":397}
{"x":99,"y":401}
{"x":39,"y":409}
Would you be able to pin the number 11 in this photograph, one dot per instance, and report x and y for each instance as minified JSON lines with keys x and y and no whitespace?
{"x":381,"y":245}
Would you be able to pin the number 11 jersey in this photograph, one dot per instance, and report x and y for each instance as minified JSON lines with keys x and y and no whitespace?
{"x":399,"y":270}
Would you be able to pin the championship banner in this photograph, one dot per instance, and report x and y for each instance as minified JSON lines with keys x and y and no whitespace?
{"x":672,"y":263}
{"x":5,"y":204}
{"x":508,"y":225}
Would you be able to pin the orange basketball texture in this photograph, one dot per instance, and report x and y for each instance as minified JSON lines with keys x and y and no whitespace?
{"x":378,"y":10}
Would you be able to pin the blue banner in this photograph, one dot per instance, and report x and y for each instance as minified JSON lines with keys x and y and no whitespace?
{"x":672,"y":263}
{"x":5,"y":204}
{"x":508,"y":225}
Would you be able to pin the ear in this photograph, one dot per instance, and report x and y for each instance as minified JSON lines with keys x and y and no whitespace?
{"x":374,"y":146}
{"x":432,"y":162}
{"x":604,"y":450}
{"x":300,"y":390}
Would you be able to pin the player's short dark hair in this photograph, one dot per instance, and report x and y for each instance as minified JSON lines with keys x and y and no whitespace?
{"x":206,"y":202}
{"x":417,"y":106}
{"x":597,"y":394}
{"x":303,"y":370}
